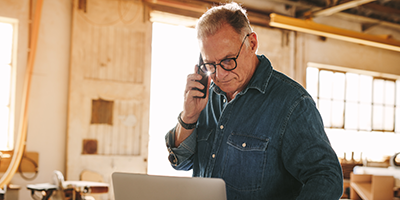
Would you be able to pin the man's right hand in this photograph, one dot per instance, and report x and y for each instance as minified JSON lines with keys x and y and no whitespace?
{"x":193,"y":105}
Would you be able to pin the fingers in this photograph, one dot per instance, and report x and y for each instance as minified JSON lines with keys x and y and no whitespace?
{"x":193,"y":87}
{"x":192,"y":82}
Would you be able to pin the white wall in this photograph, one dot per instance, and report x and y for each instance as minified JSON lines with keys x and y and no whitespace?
{"x":48,"y":97}
{"x":346,"y":54}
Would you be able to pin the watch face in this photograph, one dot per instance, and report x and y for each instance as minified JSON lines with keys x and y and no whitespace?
{"x":171,"y":157}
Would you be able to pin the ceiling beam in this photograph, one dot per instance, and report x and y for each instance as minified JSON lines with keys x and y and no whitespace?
{"x":340,"y":7}
{"x":308,"y":26}
{"x":382,"y":9}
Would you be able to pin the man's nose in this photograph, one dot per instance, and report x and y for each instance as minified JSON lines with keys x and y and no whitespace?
{"x":220,"y":72}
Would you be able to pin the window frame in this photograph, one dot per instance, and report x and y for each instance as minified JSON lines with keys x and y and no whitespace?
{"x":374,"y":75}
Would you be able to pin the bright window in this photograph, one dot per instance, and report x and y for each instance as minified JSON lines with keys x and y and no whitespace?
{"x":353,"y":101}
{"x":7,"y":33}
{"x":358,"y":110}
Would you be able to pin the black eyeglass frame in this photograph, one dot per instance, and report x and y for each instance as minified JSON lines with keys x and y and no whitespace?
{"x":220,"y":63}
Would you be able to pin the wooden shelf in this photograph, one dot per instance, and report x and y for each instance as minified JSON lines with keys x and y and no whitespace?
{"x":371,"y":187}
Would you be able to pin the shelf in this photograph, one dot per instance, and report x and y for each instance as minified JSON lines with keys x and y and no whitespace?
{"x":371,"y":187}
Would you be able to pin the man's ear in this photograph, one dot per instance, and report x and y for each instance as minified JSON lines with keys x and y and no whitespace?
{"x":253,"y":41}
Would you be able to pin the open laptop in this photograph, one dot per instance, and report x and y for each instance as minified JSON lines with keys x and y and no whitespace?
{"x":131,"y":186}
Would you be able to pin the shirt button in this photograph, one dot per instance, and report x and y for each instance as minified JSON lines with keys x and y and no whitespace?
{"x":221,"y":127}
{"x":244,"y":144}
{"x":224,"y":100}
{"x":213,"y":156}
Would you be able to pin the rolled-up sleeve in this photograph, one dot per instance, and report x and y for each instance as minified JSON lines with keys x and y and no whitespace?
{"x":181,"y":157}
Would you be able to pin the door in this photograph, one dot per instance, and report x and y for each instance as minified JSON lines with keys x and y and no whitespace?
{"x":109,"y":89}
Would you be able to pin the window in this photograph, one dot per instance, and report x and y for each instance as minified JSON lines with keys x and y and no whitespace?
{"x":353,"y":101}
{"x":358,"y":109}
{"x":7,"y":35}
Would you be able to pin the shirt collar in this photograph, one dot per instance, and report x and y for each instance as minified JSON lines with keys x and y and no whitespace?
{"x":259,"y":80}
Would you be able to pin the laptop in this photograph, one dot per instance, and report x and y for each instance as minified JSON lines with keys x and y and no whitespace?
{"x":132,"y":186}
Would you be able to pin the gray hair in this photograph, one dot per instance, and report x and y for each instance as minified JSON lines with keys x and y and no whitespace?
{"x":213,"y":20}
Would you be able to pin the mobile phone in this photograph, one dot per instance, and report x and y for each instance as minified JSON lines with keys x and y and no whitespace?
{"x":204,"y":80}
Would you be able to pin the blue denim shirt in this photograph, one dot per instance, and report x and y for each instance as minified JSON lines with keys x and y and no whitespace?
{"x":267,"y":143}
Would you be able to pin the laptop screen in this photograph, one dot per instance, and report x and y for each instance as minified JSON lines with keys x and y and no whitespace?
{"x":133,"y":186}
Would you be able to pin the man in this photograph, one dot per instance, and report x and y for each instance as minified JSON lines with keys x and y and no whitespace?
{"x":257,"y":129}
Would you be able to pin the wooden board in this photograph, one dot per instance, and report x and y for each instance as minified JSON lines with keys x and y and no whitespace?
{"x":29,"y":162}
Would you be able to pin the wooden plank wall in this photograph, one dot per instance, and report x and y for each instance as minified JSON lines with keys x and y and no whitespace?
{"x":123,"y":136}
{"x":119,"y":54}
{"x":110,"y":64}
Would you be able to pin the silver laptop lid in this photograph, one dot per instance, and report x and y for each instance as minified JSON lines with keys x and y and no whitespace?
{"x":131,"y":186}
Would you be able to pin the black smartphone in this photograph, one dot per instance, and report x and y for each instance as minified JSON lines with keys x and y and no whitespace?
{"x":204,"y":80}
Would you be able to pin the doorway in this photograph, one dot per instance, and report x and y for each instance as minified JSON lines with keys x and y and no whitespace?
{"x":174,"y":55}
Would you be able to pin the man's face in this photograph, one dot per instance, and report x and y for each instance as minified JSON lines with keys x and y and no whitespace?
{"x":226,"y":44}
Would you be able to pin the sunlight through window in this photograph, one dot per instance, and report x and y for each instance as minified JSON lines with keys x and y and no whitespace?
{"x":174,"y":55}
{"x":357,"y":110}
{"x":6,"y":38}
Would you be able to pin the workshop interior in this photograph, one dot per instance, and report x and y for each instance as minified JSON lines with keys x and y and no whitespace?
{"x":90,"y":87}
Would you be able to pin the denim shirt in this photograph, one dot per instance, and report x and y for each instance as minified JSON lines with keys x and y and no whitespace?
{"x":267,"y":143}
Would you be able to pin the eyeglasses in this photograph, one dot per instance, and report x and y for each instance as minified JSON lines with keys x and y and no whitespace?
{"x":227,"y":64}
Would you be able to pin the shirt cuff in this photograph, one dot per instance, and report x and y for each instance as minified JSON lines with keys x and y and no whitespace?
{"x":184,"y":151}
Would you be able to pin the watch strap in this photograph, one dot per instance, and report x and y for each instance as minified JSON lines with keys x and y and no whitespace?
{"x":184,"y":125}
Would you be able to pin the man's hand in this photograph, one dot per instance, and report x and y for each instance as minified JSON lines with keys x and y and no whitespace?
{"x":193,"y":105}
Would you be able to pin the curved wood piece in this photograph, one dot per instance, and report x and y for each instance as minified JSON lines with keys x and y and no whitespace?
{"x":23,"y":123}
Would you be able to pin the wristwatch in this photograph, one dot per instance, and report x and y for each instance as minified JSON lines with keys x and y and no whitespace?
{"x":172,"y":157}
{"x":184,"y":125}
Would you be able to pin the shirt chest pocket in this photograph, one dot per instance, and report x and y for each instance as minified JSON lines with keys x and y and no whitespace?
{"x":245,"y":161}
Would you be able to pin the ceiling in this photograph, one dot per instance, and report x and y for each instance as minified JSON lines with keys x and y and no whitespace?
{"x":368,"y":12}
{"x":384,"y":10}
{"x":372,"y":11}
{"x":290,"y":14}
